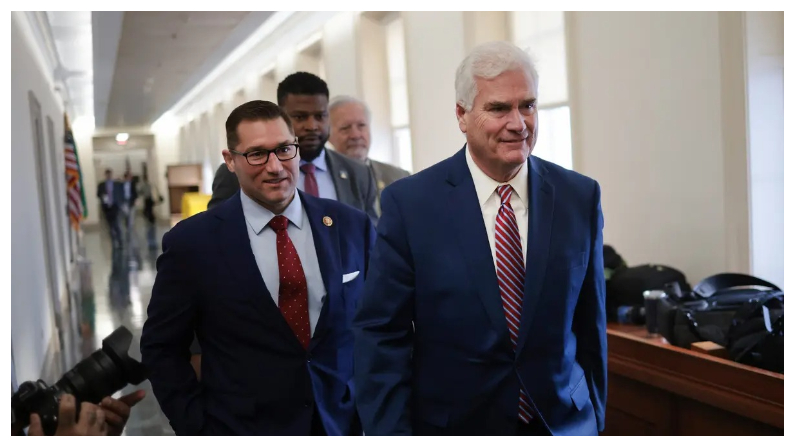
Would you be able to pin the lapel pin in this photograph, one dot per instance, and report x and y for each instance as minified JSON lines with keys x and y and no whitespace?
{"x":327,"y":221}
{"x":381,"y":185}
{"x":343,"y":174}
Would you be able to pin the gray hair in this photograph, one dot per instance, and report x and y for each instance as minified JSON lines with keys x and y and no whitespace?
{"x":488,"y":61}
{"x":341,"y":100}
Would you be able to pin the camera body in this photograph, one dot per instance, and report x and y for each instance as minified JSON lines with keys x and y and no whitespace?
{"x":101,"y":374}
{"x":36,"y":397}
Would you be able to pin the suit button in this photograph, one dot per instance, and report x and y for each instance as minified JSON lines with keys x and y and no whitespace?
{"x":307,"y":403}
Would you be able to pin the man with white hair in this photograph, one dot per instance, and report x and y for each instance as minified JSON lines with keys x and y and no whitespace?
{"x":350,"y":134}
{"x":483,"y":308}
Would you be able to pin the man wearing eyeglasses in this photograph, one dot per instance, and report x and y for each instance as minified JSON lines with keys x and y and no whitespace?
{"x":323,"y":173}
{"x":269,"y":281}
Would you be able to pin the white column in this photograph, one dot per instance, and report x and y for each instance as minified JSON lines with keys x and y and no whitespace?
{"x":168,"y":153}
{"x":340,"y":54}
{"x":430,"y":72}
{"x":267,"y":87}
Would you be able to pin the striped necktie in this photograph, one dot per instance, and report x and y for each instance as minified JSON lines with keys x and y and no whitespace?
{"x":510,"y":275}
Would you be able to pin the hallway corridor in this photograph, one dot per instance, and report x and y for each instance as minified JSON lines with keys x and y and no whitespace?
{"x":122,"y":280}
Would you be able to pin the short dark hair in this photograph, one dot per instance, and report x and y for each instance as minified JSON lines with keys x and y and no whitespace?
{"x":252,"y":111}
{"x":300,"y":83}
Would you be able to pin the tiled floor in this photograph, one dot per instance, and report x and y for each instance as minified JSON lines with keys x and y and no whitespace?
{"x":122,"y":279}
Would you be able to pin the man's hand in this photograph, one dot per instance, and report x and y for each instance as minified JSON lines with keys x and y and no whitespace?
{"x":118,"y":411}
{"x":92,"y":420}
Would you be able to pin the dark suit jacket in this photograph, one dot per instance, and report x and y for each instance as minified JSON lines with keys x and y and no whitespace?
{"x":384,"y":175}
{"x":432,"y":348}
{"x":256,"y":378}
{"x":133,"y":192}
{"x":352,"y":181}
{"x":118,"y":195}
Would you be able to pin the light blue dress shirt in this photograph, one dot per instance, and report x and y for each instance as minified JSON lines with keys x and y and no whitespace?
{"x":325,"y":181}
{"x":263,"y":243}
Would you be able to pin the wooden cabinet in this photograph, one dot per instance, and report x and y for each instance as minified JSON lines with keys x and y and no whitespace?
{"x":655,"y":388}
{"x":182,"y":179}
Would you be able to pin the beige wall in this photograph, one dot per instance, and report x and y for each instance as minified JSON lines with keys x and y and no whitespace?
{"x":650,"y":122}
{"x":658,"y":117}
{"x":430,"y":72}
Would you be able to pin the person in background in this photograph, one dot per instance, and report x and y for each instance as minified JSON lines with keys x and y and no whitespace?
{"x":108,"y":196}
{"x":151,"y":198}
{"x":350,"y":134}
{"x":323,"y":173}
{"x":129,"y":196}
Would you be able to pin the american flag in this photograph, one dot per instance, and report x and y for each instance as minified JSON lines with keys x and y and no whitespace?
{"x":74,"y":183}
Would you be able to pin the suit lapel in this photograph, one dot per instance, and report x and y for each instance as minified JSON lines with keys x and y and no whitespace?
{"x":326,"y":239}
{"x":466,"y":218}
{"x":342,"y":179}
{"x":237,"y":255}
{"x":540,"y":209}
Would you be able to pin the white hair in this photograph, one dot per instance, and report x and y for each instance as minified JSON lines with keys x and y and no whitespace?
{"x":488,"y":61}
{"x":341,"y":100}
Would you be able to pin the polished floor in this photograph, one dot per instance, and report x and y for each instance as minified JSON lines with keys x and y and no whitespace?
{"x":122,"y":279}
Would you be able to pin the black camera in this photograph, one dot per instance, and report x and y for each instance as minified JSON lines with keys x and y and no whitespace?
{"x":101,"y":374}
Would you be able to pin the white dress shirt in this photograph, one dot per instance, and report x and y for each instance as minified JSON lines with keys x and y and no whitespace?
{"x":263,"y":244}
{"x":486,"y":188}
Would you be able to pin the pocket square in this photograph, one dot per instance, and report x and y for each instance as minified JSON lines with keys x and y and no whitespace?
{"x":349,"y":276}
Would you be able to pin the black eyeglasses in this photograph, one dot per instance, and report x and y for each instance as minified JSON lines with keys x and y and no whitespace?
{"x":261,"y":157}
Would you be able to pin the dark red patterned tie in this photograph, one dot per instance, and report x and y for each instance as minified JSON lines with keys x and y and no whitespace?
{"x":510,"y":275}
{"x":293,"y":293}
{"x":310,"y":181}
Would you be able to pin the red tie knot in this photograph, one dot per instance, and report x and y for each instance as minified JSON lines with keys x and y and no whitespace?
{"x":308,"y":168}
{"x":278,"y":223}
{"x":505,"y":192}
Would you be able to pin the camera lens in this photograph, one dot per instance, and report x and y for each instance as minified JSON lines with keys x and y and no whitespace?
{"x":105,"y":371}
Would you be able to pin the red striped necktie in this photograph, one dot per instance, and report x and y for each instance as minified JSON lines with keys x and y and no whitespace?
{"x":510,"y":275}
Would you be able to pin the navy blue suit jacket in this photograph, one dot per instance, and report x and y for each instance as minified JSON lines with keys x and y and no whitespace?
{"x":432,"y":350}
{"x":256,"y":378}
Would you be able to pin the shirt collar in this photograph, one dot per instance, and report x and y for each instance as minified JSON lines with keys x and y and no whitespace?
{"x":319,"y":161}
{"x":485,"y":186}
{"x":258,"y":216}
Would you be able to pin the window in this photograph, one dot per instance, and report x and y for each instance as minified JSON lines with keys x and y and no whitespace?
{"x":398,"y":92}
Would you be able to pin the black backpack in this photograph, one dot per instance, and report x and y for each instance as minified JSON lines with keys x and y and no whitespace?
{"x":626,"y":286}
{"x":756,"y":334}
{"x":708,"y":311}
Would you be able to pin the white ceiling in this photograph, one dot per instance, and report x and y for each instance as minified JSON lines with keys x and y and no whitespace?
{"x":125,"y":69}
{"x":160,"y":57}
{"x":70,"y":32}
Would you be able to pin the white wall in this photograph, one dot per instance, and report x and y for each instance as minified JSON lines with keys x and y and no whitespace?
{"x":31,"y":304}
{"x":649,"y":122}
{"x":430,"y":73}
{"x":658,"y":117}
{"x":374,"y":76}
{"x":168,"y":153}
{"x":341,"y":55}
{"x":765,"y":71}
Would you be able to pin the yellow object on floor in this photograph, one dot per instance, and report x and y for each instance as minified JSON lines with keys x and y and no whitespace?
{"x":194,"y":203}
